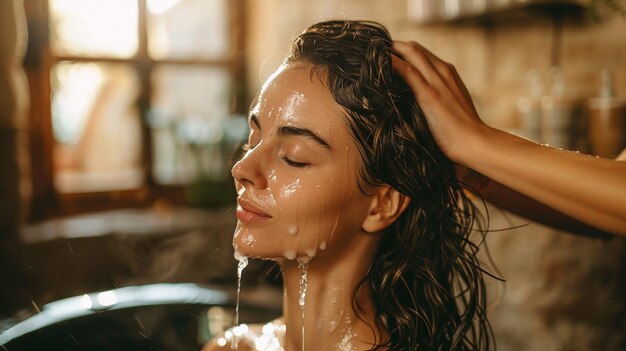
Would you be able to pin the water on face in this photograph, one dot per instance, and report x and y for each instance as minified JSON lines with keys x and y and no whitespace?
{"x":303,"y":265}
{"x":243,"y":262}
{"x":292,"y":230}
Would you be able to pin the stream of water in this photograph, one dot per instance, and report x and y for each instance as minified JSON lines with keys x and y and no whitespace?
{"x":243,"y":262}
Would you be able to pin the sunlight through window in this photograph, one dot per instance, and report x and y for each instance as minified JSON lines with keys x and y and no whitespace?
{"x":188,"y":29}
{"x":94,"y":27}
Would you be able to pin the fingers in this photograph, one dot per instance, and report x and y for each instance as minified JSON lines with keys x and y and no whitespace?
{"x":418,"y":57}
{"x":461,"y":85}
{"x":441,"y":75}
{"x":412,"y":76}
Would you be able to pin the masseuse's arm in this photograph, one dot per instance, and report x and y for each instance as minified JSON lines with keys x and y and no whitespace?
{"x":522,"y":205}
{"x":588,"y":189}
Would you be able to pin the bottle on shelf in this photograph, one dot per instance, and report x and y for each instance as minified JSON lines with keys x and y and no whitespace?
{"x":558,"y":113}
{"x":606,"y":120}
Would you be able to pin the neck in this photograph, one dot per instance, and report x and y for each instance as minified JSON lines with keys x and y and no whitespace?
{"x":330,"y":322}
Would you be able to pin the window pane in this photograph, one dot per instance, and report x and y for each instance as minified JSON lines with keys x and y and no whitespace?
{"x":190,"y":106}
{"x":96,"y":127}
{"x":188,"y":28}
{"x":94,"y":27}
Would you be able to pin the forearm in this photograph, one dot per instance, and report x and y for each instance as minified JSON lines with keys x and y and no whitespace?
{"x":590,"y":189}
{"x":521,"y":205}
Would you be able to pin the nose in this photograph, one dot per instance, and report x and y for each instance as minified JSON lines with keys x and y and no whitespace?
{"x":248,"y":172}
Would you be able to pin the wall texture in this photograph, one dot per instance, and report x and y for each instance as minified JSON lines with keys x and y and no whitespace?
{"x":562,"y":292}
{"x":491,"y":56}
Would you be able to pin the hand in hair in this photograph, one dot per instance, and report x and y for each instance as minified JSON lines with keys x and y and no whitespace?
{"x":441,"y":94}
{"x":580,"y":188}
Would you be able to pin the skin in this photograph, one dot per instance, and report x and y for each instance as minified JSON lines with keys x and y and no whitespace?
{"x":288,"y":179}
{"x":579,"y":191}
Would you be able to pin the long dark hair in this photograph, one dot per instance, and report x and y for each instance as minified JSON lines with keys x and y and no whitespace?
{"x":425,"y":278}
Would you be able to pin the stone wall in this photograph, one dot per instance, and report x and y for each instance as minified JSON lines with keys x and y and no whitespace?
{"x":562,"y":292}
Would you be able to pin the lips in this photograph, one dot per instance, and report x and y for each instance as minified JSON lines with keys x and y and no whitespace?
{"x":249,"y":213}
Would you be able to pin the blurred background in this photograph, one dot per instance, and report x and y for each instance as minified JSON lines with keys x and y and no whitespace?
{"x":119,"y":119}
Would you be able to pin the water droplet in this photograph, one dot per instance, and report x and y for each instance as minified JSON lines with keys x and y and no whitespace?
{"x":291,"y":188}
{"x":292,"y":230}
{"x":248,"y":239}
{"x":272,"y":175}
{"x":35,"y":305}
{"x":290,"y":254}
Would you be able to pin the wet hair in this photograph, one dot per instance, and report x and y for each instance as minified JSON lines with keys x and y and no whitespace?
{"x":425,"y":278}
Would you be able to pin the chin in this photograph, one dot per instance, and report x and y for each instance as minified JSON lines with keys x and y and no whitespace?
{"x":245,"y":244}
{"x":263,"y":252}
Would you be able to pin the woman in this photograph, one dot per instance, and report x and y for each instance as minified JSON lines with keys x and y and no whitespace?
{"x":342,"y":180}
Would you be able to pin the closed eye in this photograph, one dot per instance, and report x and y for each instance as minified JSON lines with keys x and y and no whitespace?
{"x":294,"y":163}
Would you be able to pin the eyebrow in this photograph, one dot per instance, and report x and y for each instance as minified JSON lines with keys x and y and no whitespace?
{"x":294,"y":131}
{"x":297,"y":131}
{"x":255,"y":119}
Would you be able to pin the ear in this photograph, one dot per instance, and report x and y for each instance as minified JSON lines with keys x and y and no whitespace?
{"x":386,"y":206}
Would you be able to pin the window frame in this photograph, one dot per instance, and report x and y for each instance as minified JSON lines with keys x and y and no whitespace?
{"x":47,"y":202}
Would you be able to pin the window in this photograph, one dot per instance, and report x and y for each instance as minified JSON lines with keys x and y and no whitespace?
{"x":129,"y":98}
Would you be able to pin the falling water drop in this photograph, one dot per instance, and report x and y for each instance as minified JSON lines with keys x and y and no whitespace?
{"x":311,"y":252}
{"x":35,"y":305}
{"x":290,"y":254}
{"x":303,"y":265}
{"x":292,"y":230}
{"x":243,"y":262}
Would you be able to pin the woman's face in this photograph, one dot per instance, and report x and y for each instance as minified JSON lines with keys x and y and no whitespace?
{"x":297,"y":186}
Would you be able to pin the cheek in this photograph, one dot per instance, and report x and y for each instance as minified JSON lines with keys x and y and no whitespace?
{"x":325,"y":216}
{"x":342,"y":218}
{"x":290,"y":191}
{"x":311,"y":218}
